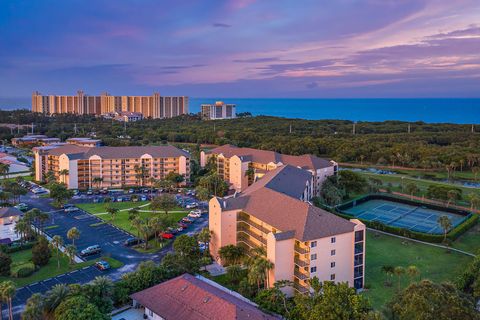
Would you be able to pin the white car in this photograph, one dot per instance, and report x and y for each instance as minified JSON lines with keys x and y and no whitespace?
{"x":196,"y":211}
{"x":191,"y":205}
{"x":194,"y":215}
{"x":39,"y":190}
{"x":71,"y":209}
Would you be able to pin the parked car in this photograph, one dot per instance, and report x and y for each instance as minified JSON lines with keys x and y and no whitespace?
{"x":104,"y":191}
{"x":119,"y":199}
{"x":143,"y":198}
{"x":132,"y":242}
{"x":102,"y":265}
{"x":70,"y":209}
{"x":187,"y":220}
{"x":167,"y":235}
{"x":91,"y":250}
{"x":22,"y":206}
{"x":196,"y":211}
{"x":191,"y":205}
{"x":202,"y":246}
{"x":39,"y":190}
{"x":183,"y":225}
{"x":89,"y":192}
{"x":131,"y":191}
{"x":172,"y":230}
{"x":76,"y":192}
{"x":194,"y":215}
{"x":96,"y":200}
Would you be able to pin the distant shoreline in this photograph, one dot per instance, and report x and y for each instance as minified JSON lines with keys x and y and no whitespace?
{"x":428,"y":110}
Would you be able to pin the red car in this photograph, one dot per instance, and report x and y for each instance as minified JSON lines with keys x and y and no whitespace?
{"x":187,"y":220}
{"x":183,"y":225}
{"x":167,"y":235}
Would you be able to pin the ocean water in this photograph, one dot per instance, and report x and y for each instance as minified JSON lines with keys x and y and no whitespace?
{"x":426,"y":110}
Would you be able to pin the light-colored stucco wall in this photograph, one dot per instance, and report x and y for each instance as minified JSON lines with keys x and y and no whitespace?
{"x":343,"y":258}
{"x":222,"y":225}
{"x":237,"y":173}
{"x":72,"y":178}
{"x":38,"y":167}
{"x":281,"y":254}
{"x":203,"y":159}
{"x":182,"y":165}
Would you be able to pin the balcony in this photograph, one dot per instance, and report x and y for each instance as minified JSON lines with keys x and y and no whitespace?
{"x":242,"y":218}
{"x":253,"y":235}
{"x":302,"y":263}
{"x":247,"y":241}
{"x":301,"y":289}
{"x":302,"y":250}
{"x":300,"y":275}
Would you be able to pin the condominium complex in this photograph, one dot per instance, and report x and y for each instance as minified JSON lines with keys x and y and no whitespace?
{"x":219,"y":110}
{"x":154,"y":106}
{"x":81,"y":167}
{"x":240,"y":167}
{"x":301,"y":240}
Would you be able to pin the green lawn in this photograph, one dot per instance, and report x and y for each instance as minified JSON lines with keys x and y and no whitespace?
{"x":100,"y":207}
{"x":50,"y":270}
{"x":422,"y":184}
{"x":469,"y":241}
{"x":121,"y":218}
{"x":433,"y":263}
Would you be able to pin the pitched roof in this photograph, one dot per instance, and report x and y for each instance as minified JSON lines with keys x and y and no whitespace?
{"x":264,"y":156}
{"x":79,"y":152}
{"x":191,"y":298}
{"x":270,"y":200}
{"x":9,"y":212}
{"x":288,"y":180}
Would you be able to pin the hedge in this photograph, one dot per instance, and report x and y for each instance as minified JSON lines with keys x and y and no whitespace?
{"x":23,"y":271}
{"x":15,"y":248}
{"x":427,"y":237}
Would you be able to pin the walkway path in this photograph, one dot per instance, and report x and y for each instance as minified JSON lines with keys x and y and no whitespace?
{"x":423,"y":242}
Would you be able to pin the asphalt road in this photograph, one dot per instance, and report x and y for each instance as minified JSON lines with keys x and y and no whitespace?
{"x":110,"y":239}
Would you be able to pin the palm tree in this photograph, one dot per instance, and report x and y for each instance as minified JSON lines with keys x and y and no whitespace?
{"x":4,"y":170}
{"x":265,"y":265}
{"x":103,"y":286}
{"x":156,"y":225}
{"x":388,"y":270}
{"x":137,"y":223}
{"x":7,"y":291}
{"x":446,"y":224}
{"x":113,"y":212}
{"x":411,"y":188}
{"x":55,"y":296}
{"x":412,"y":272}
{"x":71,"y":251}
{"x":234,"y":273}
{"x":475,"y":171}
{"x":57,"y":243}
{"x":399,"y":271}
{"x":73,"y":234}
{"x":132,"y":214}
{"x":63,"y":173}
{"x":474,"y":201}
{"x":97,"y":181}
{"x":231,"y":254}
{"x":21,"y":228}
{"x":205,"y":236}
{"x":42,"y":217}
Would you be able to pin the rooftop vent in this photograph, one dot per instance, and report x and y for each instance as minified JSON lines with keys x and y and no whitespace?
{"x":206,"y":299}
{"x":184,"y":287}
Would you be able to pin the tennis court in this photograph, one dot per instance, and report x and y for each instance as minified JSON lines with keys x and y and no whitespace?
{"x":402,"y":215}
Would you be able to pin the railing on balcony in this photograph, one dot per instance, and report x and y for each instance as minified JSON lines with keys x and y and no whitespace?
{"x":302,"y":250}
{"x":300,"y":288}
{"x":302,"y":263}
{"x":300,"y":275}
{"x":253,"y":235}
{"x":248,"y":221}
{"x":247,"y":241}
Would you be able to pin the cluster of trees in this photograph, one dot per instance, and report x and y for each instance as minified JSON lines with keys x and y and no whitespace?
{"x":11,"y":190}
{"x":447,"y":147}
{"x":340,"y":187}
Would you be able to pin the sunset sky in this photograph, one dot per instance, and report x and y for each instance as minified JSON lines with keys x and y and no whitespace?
{"x":241,"y":48}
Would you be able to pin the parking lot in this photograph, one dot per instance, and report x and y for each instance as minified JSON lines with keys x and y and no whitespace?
{"x":78,"y":276}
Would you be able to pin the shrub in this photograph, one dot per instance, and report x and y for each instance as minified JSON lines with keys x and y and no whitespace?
{"x":5,"y":263}
{"x":41,"y":252}
{"x":19,"y":247}
{"x":24,"y":271}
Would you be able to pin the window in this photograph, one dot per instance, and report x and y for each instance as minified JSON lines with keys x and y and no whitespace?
{"x":313,"y":256}
{"x":313,"y":244}
{"x":333,"y":240}
{"x":332,"y":252}
{"x":358,"y":235}
{"x":332,"y":276}
{"x":150,"y":313}
{"x":332,"y":264}
{"x":313,"y":269}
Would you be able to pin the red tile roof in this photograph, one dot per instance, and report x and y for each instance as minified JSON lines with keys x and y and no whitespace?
{"x":306,"y":161}
{"x":190,"y":298}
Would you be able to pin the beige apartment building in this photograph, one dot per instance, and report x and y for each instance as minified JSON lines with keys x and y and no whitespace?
{"x":301,"y":240}
{"x":219,"y":110}
{"x":110,"y":167}
{"x":234,"y":164}
{"x":154,"y":106}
